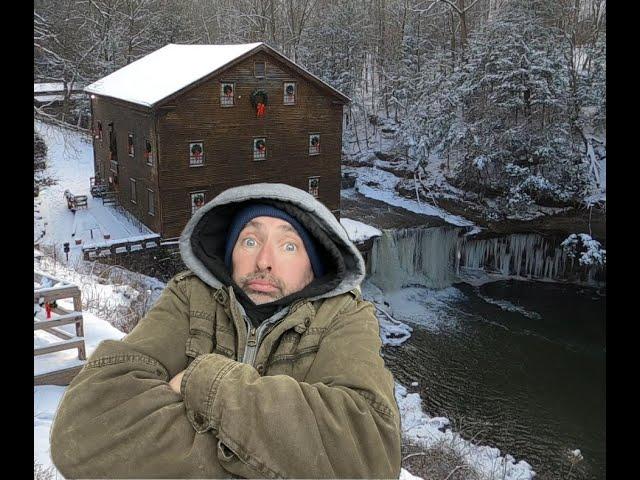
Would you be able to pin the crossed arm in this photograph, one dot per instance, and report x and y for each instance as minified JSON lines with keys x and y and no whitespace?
{"x":136,"y":412}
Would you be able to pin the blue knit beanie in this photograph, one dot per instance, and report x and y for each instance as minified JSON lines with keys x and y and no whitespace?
{"x":254,"y":210}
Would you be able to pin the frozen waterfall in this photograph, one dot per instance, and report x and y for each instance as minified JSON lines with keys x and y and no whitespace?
{"x":436,"y":258}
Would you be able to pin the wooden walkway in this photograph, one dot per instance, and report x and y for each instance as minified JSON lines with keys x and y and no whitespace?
{"x":43,"y":295}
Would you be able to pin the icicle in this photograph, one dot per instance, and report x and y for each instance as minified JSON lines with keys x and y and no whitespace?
{"x":435,"y":257}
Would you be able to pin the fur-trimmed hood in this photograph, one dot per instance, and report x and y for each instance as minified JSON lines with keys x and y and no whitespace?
{"x":202,"y":240}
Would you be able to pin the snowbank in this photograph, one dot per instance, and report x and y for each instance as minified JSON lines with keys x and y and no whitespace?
{"x":380,"y":185}
{"x":432,"y":431}
{"x":358,"y":231}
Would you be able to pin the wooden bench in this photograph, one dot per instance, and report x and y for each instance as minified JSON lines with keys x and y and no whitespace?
{"x":80,"y":201}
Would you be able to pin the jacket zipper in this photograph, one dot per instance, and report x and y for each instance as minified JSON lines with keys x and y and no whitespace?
{"x":254,"y":336}
{"x":253,"y":340}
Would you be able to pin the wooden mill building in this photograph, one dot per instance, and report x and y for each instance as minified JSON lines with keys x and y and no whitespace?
{"x":177,"y":127}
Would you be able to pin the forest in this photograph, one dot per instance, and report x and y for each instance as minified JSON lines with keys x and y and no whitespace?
{"x":505,"y":99}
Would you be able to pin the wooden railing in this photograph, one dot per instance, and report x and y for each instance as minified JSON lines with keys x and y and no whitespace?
{"x":61,"y":316}
{"x":110,"y":198}
{"x":113,"y":247}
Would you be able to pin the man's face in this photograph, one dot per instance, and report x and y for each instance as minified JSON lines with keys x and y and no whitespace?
{"x":269,"y":260}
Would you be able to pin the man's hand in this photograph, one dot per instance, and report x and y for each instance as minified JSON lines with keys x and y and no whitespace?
{"x":175,"y":382}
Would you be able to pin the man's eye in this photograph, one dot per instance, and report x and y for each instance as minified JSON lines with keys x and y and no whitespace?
{"x":290,"y":247}
{"x":249,"y":242}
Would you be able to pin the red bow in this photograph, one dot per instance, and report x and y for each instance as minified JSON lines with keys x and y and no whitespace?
{"x":261,"y":110}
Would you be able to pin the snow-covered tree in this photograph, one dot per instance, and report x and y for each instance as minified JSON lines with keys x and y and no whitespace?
{"x":588,"y":251}
{"x":508,"y":109}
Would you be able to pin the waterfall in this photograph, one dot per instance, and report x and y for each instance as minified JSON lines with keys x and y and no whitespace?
{"x":415,"y":256}
{"x":523,"y":255}
{"x":438,"y":257}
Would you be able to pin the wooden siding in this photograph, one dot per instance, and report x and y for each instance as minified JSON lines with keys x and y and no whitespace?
{"x":140,"y":122}
{"x":228,"y":133}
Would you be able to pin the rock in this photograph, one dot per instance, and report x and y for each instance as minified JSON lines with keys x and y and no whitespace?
{"x":384,"y":156}
{"x":348,"y":180}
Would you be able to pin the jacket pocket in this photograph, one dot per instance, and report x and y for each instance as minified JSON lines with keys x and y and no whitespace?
{"x":242,"y":465}
{"x":295,"y":352}
{"x":201,"y":340}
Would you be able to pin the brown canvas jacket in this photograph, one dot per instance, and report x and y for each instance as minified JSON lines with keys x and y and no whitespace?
{"x":307,"y":395}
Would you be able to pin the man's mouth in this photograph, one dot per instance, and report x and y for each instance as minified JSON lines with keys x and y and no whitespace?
{"x":262,"y":286}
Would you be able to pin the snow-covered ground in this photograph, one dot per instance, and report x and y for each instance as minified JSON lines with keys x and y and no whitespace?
{"x":358,"y":231}
{"x":379,"y":184}
{"x":70,"y":163}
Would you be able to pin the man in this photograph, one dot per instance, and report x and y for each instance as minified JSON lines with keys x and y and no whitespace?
{"x":261,"y":361}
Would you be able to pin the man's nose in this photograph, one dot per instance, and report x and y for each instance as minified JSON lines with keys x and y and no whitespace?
{"x":264,"y":260}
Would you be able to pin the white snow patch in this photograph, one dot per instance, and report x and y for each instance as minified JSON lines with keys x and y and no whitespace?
{"x":358,"y":231}
{"x":405,"y":475}
{"x":380,"y":185}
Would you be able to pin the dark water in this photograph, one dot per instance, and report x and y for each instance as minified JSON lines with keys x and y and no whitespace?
{"x":527,"y":377}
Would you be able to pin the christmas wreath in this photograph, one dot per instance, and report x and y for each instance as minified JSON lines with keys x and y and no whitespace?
{"x":259,"y":100}
{"x":260,"y":145}
{"x":228,"y":90}
{"x":196,"y":150}
{"x":289,"y":89}
{"x":259,"y":97}
{"x":315,"y":141}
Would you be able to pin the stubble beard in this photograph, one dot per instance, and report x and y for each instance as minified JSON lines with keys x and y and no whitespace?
{"x":262,"y":297}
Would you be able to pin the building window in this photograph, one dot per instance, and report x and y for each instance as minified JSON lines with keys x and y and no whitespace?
{"x":289,"y":93}
{"x":148,"y":152}
{"x":113,"y":144}
{"x":259,"y":69}
{"x":130,"y":145}
{"x":227,"y":91}
{"x":134,"y":197}
{"x":314,"y":186}
{"x":314,"y":144}
{"x":197,"y":201}
{"x":196,"y":154}
{"x":151,"y":200}
{"x":259,"y":148}
{"x":98,"y":133}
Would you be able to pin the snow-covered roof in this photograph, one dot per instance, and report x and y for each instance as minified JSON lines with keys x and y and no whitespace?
{"x":173,"y":67}
{"x":166,"y":71}
{"x":54,"y":87}
{"x":49,"y":98}
{"x":48,"y":87}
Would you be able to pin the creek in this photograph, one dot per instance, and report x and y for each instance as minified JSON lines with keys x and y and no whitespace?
{"x":508,"y":341}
